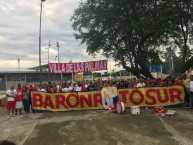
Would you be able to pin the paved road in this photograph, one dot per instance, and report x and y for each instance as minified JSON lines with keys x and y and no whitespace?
{"x":97,"y":128}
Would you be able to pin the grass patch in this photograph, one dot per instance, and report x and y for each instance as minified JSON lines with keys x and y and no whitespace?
{"x":4,"y":101}
{"x":2,"y":92}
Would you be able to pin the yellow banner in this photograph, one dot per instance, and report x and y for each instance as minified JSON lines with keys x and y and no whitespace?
{"x":66,"y":101}
{"x":107,"y":98}
{"x":155,"y":96}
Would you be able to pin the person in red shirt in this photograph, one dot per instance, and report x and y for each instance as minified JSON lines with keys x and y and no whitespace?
{"x":148,"y":82}
{"x":83,"y":88}
{"x":178,"y":81}
{"x":160,"y":83}
{"x":19,"y":99}
{"x":134,"y":83}
{"x":169,"y":82}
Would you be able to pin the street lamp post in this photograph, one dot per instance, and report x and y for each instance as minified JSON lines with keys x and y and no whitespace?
{"x":19,"y":69}
{"x":72,"y":72}
{"x":55,"y":58}
{"x":55,"y":62}
{"x":49,"y":57}
{"x":49,"y":51}
{"x":40,"y":42}
{"x":58,"y":46}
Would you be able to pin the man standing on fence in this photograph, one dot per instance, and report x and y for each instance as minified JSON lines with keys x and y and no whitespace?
{"x":19,"y":98}
{"x":11,"y":95}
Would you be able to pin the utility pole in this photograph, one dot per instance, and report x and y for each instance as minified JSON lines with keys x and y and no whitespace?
{"x":40,"y":41}
{"x":49,"y":57}
{"x":72,"y":72}
{"x":58,"y":46}
{"x":49,"y":51}
{"x":18,"y":64}
{"x":19,"y":69}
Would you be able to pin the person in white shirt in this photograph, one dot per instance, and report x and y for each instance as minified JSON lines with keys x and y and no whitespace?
{"x":78,"y":88}
{"x":65,"y":88}
{"x":11,"y":94}
{"x":140,"y":84}
{"x":86,"y":84}
{"x":190,"y":89}
{"x":42,"y":89}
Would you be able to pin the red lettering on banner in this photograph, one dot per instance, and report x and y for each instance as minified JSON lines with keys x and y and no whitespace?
{"x":101,"y":65}
{"x":97,"y":64}
{"x":175,"y":94}
{"x":68,"y":68}
{"x":71,"y":68}
{"x":82,"y":67}
{"x":69,"y":103}
{"x":48,"y":102}
{"x":97,"y":99}
{"x":86,"y":67}
{"x":58,"y":68}
{"x":63,"y":68}
{"x":51,"y":68}
{"x":60,"y":100}
{"x":78,"y":66}
{"x":124,"y":95}
{"x":37,"y":100}
{"x":105,"y":64}
{"x":55,"y":68}
{"x":151,"y":97}
{"x":132,"y":97}
{"x":87,"y":100}
{"x":160,"y":97}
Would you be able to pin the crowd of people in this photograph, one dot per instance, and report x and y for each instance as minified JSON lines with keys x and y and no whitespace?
{"x":19,"y":99}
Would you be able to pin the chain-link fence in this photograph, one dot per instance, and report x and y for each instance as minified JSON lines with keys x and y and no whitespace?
{"x":30,"y":78}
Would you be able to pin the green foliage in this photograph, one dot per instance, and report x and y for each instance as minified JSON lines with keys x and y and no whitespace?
{"x":185,"y":53}
{"x":4,"y":101}
{"x":132,"y":31}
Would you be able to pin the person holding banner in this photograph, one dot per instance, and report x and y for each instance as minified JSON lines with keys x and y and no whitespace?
{"x":190,"y":89}
{"x":83,"y":88}
{"x":187,"y":96}
{"x":134,"y":83}
{"x":140,"y":84}
{"x":64,"y":88}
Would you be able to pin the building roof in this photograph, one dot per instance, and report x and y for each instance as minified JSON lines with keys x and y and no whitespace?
{"x":45,"y":66}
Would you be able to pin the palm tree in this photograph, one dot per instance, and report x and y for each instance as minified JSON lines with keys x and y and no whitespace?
{"x":185,"y":53}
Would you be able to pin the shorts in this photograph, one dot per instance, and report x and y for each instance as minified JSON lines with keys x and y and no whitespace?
{"x":19,"y":104}
{"x":10,"y":105}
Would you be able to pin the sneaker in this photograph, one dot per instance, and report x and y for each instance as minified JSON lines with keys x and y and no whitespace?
{"x":20,"y":113}
{"x":8,"y":116}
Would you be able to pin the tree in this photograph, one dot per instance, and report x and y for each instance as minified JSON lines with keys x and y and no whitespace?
{"x":132,"y":31}
{"x":185,"y":53}
{"x":129,"y":31}
{"x":183,"y":21}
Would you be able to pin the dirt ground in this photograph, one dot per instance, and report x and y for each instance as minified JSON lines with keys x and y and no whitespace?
{"x":99,"y":127}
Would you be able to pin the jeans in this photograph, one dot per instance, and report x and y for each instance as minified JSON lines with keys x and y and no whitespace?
{"x":26,"y":104}
{"x":191,"y":98}
{"x":186,"y":97}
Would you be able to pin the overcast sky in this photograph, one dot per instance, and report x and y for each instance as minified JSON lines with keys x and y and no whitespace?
{"x":19,"y":33}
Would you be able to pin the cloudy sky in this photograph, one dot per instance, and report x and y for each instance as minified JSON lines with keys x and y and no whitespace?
{"x":19,"y":33}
